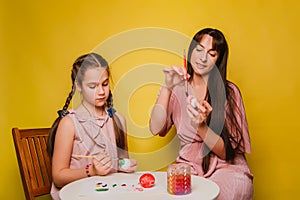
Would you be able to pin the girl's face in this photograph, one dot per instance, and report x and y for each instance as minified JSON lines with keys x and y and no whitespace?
{"x":204,"y":57}
{"x":95,"y":87}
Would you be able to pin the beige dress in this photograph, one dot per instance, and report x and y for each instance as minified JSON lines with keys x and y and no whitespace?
{"x":92,"y":135}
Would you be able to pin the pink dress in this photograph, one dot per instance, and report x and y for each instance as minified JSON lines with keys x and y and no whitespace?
{"x":234,"y":180}
{"x":92,"y":135}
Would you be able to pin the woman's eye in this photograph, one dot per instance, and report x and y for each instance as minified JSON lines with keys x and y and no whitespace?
{"x":199,"y":49}
{"x":92,"y":86}
{"x":213,"y":53}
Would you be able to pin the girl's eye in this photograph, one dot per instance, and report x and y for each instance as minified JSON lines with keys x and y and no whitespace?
{"x":105,"y":84}
{"x":213,"y":54}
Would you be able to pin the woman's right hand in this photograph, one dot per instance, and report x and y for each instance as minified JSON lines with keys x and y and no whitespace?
{"x":102,"y":164}
{"x":175,"y":76}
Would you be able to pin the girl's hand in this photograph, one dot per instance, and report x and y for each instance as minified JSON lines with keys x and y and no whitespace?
{"x":198,"y":111}
{"x":102,"y":164}
{"x":128,"y":169}
{"x":174,"y":76}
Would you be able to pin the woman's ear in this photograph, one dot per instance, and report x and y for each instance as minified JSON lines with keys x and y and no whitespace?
{"x":78,"y":86}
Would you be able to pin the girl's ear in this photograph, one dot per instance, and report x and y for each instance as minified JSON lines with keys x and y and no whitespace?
{"x":78,"y":86}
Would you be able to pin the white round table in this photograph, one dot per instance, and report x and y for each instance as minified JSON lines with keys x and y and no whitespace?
{"x":123,"y":186}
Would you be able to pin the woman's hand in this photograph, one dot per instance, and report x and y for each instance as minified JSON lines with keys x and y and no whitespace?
{"x":198,"y":111}
{"x":174,"y":76}
{"x":128,"y":169}
{"x":102,"y":164}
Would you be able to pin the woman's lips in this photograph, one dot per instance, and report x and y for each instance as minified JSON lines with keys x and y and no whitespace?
{"x":199,"y":65}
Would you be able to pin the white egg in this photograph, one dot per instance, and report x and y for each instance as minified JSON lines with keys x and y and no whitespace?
{"x":125,"y":163}
{"x":194,"y":102}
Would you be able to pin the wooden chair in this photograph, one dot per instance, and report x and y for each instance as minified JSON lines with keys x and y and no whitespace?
{"x":33,"y":160}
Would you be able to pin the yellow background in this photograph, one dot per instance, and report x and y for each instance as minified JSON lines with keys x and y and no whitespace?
{"x":39,"y":40}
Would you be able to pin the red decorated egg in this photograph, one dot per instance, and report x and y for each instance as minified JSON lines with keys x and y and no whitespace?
{"x":147,"y":180}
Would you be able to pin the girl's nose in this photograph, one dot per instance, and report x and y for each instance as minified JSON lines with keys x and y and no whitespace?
{"x":100,"y":90}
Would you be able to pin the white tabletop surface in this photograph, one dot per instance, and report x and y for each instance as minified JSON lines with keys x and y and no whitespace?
{"x":85,"y":189}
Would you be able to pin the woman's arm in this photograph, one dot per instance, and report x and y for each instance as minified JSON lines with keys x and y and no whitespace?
{"x":173,"y":76}
{"x":199,"y":111}
{"x":158,"y":117}
{"x":213,"y":141}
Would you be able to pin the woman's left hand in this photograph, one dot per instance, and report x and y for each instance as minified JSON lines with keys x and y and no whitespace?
{"x":198,"y":111}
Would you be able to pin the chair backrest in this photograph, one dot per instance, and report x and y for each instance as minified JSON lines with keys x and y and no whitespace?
{"x":33,"y":160}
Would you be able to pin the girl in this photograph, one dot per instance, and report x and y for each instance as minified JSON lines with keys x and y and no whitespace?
{"x":91,"y":139}
{"x":208,"y":113}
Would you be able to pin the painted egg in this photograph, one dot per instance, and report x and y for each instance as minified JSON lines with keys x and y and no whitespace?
{"x":147,"y":180}
{"x":125,"y":163}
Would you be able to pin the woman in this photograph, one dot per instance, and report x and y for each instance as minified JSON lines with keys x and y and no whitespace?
{"x":208,"y":113}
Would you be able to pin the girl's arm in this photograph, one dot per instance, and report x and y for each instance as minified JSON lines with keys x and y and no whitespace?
{"x":62,"y":174}
{"x":64,"y":139}
{"x":123,"y":153}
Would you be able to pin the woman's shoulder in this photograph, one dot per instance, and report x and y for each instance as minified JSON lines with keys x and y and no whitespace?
{"x":232,"y":85}
{"x":234,"y":88}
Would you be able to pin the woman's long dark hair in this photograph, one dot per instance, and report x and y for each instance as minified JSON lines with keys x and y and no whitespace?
{"x":79,"y":68}
{"x":220,"y":95}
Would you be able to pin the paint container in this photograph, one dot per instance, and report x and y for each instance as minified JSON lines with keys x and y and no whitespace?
{"x":179,"y":179}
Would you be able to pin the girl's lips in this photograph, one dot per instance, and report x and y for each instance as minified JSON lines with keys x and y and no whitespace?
{"x":100,"y":99}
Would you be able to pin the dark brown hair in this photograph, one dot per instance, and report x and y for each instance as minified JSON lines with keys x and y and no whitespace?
{"x":79,"y":68}
{"x":219,"y":91}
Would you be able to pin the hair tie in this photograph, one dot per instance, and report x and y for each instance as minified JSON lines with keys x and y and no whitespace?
{"x":111,"y":111}
{"x":62,"y":113}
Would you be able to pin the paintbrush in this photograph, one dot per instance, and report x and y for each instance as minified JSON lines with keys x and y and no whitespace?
{"x":86,"y":156}
{"x":186,"y":78}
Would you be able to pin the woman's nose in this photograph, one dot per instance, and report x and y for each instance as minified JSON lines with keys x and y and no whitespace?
{"x":203,"y":56}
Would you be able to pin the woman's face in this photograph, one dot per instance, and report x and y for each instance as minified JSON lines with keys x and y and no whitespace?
{"x":204,"y":57}
{"x":95,"y":86}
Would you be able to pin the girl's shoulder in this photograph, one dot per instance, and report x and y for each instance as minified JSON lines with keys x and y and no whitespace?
{"x":66,"y":121}
{"x":66,"y":125}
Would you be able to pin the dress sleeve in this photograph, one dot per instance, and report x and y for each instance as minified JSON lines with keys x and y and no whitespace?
{"x":242,"y":121}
